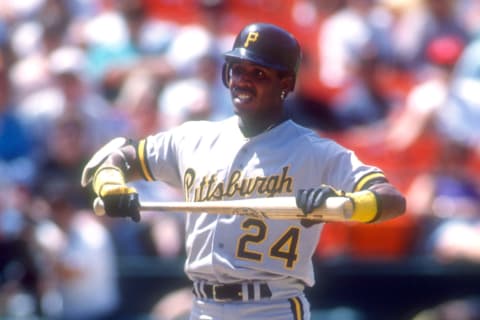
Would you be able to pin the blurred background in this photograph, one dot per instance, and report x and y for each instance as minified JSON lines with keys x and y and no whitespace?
{"x":398,"y":81}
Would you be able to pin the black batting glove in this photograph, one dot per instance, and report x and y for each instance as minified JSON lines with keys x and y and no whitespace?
{"x":122,"y":205}
{"x":310,"y":199}
{"x":119,"y":200}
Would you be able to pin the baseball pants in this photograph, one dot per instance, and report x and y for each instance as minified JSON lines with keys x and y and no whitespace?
{"x":296,"y":308}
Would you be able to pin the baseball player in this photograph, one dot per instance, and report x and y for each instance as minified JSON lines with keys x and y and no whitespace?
{"x":247,"y":267}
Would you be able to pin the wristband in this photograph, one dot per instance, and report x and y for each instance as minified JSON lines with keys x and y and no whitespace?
{"x":107,"y":176}
{"x":365,"y":206}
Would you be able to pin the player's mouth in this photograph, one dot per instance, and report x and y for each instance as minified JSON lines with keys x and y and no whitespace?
{"x":243,"y":95}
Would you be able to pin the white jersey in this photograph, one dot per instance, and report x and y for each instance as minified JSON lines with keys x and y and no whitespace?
{"x":214,"y":161}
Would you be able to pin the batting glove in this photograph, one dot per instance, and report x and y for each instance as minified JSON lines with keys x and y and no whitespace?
{"x":119,"y":200}
{"x":310,"y":199}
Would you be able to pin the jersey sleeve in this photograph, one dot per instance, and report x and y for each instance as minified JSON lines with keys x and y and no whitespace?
{"x":157,"y":155}
{"x":349,"y":173}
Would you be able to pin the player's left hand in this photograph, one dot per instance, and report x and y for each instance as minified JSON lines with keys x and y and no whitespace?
{"x":310,"y":199}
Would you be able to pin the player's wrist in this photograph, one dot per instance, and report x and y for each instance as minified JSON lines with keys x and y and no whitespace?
{"x":366,"y":206}
{"x":107,"y":179}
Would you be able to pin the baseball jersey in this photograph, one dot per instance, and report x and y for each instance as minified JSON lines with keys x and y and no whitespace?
{"x":215,"y":161}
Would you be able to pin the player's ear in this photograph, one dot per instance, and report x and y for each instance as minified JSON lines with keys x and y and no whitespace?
{"x":287,"y":83}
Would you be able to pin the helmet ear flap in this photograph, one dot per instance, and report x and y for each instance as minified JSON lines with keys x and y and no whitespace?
{"x":225,"y":74}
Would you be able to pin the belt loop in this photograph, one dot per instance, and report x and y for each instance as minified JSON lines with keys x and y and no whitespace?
{"x":245,"y":293}
{"x":201,"y":286}
{"x":195,"y":288}
{"x":256,"y":291}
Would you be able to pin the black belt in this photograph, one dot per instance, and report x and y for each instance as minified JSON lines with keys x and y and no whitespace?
{"x":231,"y":292}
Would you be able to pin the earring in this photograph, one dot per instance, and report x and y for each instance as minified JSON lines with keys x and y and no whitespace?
{"x":283,"y":95}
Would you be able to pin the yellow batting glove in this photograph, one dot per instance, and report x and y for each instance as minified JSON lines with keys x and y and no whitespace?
{"x":365,"y":206}
{"x":109,"y":179}
{"x":365,"y":203}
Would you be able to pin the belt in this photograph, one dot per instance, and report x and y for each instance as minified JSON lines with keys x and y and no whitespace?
{"x":232,"y":292}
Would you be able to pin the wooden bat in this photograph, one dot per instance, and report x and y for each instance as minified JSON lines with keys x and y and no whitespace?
{"x":335,"y":208}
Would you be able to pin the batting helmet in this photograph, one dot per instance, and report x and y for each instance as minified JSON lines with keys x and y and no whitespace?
{"x":266,"y":45}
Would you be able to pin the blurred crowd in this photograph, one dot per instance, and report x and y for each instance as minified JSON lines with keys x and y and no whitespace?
{"x":396,"y":80}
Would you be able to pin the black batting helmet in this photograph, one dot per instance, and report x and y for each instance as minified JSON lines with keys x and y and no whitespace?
{"x":266,"y":45}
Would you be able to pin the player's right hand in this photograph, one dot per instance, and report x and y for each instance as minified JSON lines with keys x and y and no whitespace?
{"x":122,"y":203}
{"x":310,"y":199}
{"x":366,"y":205}
{"x":119,"y":200}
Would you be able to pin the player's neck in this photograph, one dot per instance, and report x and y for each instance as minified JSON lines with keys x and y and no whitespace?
{"x":254,"y":127}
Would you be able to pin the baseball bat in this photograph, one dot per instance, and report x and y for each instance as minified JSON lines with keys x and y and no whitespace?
{"x":335,"y":208}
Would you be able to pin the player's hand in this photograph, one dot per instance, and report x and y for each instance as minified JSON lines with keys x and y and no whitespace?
{"x":119,"y":200}
{"x":310,"y":199}
{"x":122,"y":202}
{"x":366,"y":203}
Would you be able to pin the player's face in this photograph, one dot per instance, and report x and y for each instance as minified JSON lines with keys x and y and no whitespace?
{"x":254,"y":88}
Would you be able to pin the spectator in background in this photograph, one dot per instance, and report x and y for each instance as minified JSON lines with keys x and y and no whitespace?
{"x":67,"y":150}
{"x":124,"y":37}
{"x":16,"y":163}
{"x":437,"y":18}
{"x":69,"y":241}
{"x":76,"y":249}
{"x":70,"y":93}
{"x":136,"y":102}
{"x":414,"y":24}
{"x":55,"y":17}
{"x":198,"y":92}
{"x":343,"y":34}
{"x":309,"y":103}
{"x":446,"y":201}
{"x":469,"y":10}
{"x":208,"y":35}
{"x":459,"y":119}
{"x":81,"y":257}
{"x":21,"y":274}
{"x":429,"y":97}
{"x":199,"y":96}
{"x":37,"y":29}
{"x":366,"y":100}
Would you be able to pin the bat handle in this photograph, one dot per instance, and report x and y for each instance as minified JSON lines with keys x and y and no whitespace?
{"x":98,"y":207}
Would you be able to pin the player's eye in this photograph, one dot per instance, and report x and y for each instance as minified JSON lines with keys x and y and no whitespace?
{"x":250,"y":72}
{"x":259,"y":74}
{"x":237,"y":71}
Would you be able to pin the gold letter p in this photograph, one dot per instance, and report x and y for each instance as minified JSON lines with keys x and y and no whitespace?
{"x":252,"y":37}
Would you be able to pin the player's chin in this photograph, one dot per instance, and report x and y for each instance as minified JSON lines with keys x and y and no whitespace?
{"x":244,"y":112}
